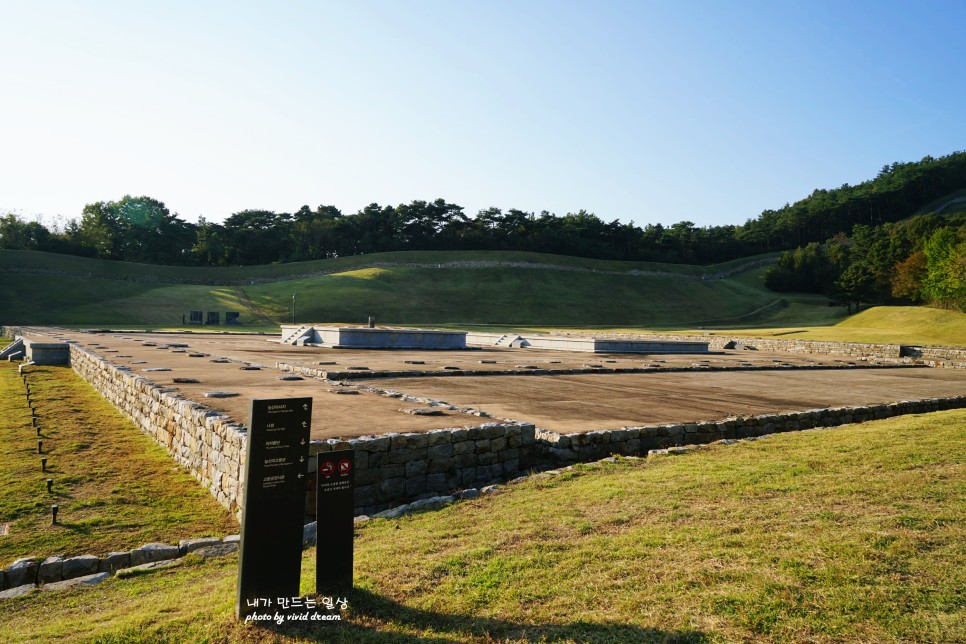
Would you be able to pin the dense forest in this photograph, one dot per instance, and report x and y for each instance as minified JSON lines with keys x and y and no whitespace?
{"x":845,"y":220}
{"x":918,"y":260}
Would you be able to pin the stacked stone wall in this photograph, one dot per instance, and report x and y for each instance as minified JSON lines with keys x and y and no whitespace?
{"x":392,"y":469}
{"x":207,"y":443}
{"x":559,"y":449}
{"x":716,"y":343}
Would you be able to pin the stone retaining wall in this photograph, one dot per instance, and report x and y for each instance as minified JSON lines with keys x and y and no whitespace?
{"x":395,"y":468}
{"x":559,"y":449}
{"x":872,"y":363}
{"x":210,"y":445}
{"x":857,"y":349}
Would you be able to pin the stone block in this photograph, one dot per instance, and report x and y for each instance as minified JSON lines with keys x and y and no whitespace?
{"x":416,"y":468}
{"x":527,"y":434}
{"x":439,"y":437}
{"x":114,"y":561}
{"x":439,"y":465}
{"x":409,"y":441}
{"x":365,"y":495}
{"x":438,"y":451}
{"x":508,"y":455}
{"x":415,"y":486}
{"x":498,"y":443}
{"x":406,"y":455}
{"x":393,"y":488}
{"x":465,"y":460}
{"x":216,"y":550}
{"x":487,"y":458}
{"x":631,"y":447}
{"x":190,"y":545}
{"x":51,"y":569}
{"x":17,"y":591}
{"x":80,"y":566}
{"x":511,"y":466}
{"x":366,"y":477}
{"x":562,"y":455}
{"x":482,"y":445}
{"x":310,"y":533}
{"x":464,"y":447}
{"x":22,"y":571}
{"x":152,"y":552}
{"x":73,"y":582}
{"x":437,"y":483}
{"x":378,"y":459}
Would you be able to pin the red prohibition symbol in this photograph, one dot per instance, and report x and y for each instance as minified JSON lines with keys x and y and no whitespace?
{"x":327,"y":469}
{"x":345,"y":466}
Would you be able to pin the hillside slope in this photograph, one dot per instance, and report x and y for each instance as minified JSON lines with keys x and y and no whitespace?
{"x":400,"y":288}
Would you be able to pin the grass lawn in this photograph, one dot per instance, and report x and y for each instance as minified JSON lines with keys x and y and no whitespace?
{"x":915,"y":325}
{"x":847,"y":534}
{"x":116,"y":489}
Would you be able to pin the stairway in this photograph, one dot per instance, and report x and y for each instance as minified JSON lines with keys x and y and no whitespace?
{"x":13,"y":351}
{"x":293,"y":337}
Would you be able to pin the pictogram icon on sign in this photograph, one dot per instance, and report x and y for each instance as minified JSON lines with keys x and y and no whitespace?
{"x":327,"y":469}
{"x":345,"y":466}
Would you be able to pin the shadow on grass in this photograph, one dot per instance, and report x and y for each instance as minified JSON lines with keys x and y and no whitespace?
{"x":374,"y":618}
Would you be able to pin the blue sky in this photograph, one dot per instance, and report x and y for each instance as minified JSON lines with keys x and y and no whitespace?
{"x":638,"y":111}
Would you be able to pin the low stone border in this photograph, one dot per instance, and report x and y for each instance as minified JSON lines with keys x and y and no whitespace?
{"x":532,"y":370}
{"x":37,"y":571}
{"x":555,"y":449}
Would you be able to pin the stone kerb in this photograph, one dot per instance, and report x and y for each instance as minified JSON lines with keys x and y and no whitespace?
{"x":560,"y":449}
{"x":397,"y":468}
{"x":208,"y":444}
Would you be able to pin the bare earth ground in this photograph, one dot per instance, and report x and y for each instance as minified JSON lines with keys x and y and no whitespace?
{"x":564,"y":403}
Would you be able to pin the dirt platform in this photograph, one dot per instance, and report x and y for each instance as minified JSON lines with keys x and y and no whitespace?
{"x":574,"y":403}
{"x":563,"y":403}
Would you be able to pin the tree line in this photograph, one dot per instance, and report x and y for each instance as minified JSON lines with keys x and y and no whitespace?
{"x":142,"y":229}
{"x":915,"y":261}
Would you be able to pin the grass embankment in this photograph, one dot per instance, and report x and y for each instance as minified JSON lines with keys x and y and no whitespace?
{"x":115,"y":488}
{"x":848,"y":534}
{"x":417,"y":288}
{"x":915,"y":325}
{"x":23,"y":260}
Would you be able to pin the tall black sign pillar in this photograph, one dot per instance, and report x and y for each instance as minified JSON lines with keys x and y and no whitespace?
{"x":273,"y":512}
{"x":334,"y":505}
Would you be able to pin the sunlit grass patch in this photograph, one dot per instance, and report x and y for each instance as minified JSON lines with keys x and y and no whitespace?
{"x":115,"y":488}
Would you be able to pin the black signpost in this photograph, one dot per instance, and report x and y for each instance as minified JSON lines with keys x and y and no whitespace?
{"x":334,"y":505}
{"x":273,"y":512}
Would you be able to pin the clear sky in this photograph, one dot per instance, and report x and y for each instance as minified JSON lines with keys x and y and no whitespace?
{"x":643,"y":111}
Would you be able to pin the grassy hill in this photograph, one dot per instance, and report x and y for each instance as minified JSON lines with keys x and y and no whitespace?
{"x":915,"y":325}
{"x":400,"y":288}
{"x":497,"y":290}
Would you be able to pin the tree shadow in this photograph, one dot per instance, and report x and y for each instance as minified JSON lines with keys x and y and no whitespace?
{"x":369,"y":612}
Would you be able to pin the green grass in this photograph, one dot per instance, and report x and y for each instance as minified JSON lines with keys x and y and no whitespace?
{"x":494,"y":298}
{"x":404,"y":294}
{"x":849,"y":534}
{"x":915,"y":325}
{"x":20,"y":260}
{"x":116,"y":489}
